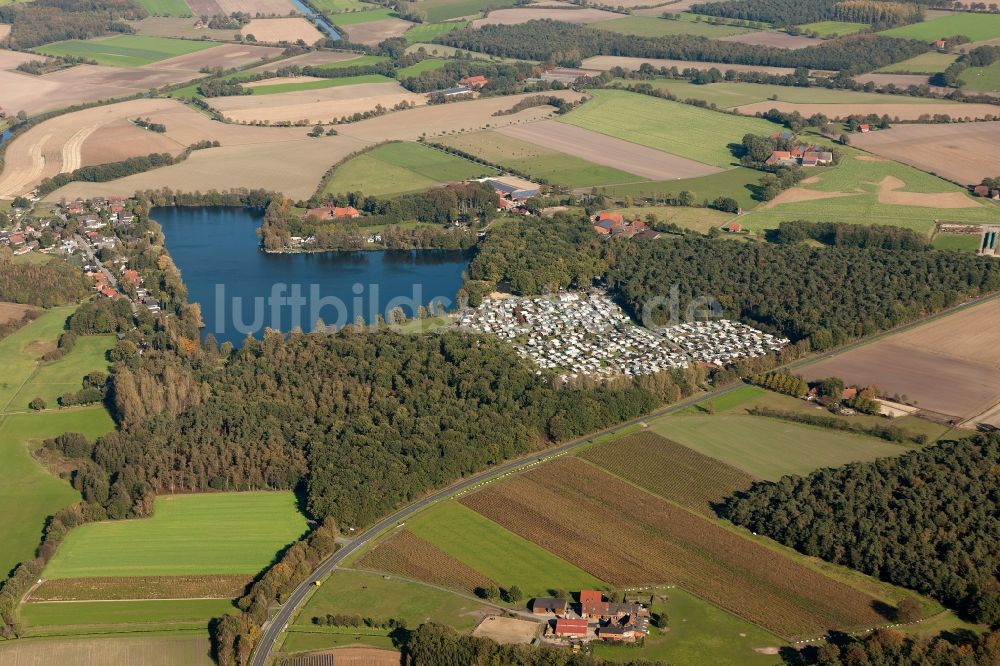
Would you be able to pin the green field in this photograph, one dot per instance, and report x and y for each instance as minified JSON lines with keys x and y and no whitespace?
{"x":338,"y":6}
{"x":125,"y":50}
{"x":209,"y":533}
{"x":166,"y":7}
{"x":360,"y":61}
{"x":366,"y":16}
{"x":699,"y":633}
{"x":731,"y":183}
{"x":444,"y":10}
{"x":931,"y":62}
{"x":28,"y":493}
{"x":451,"y":51}
{"x":538,"y":161}
{"x":981,"y":79}
{"x":318,"y":85}
{"x":53,"y":379}
{"x":976,"y":27}
{"x":20,"y":351}
{"x":374,"y":595}
{"x":427,"y":32}
{"x":834,"y":28}
{"x":93,"y":617}
{"x":673,"y":127}
{"x":397,"y":168}
{"x":650,"y":26}
{"x":496,"y":552}
{"x":961,"y":242}
{"x":427,"y":65}
{"x":727,"y":95}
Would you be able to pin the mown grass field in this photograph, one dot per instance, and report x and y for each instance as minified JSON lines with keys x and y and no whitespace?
{"x":51,"y":380}
{"x":700,"y":633}
{"x":925,"y":63}
{"x":96,"y":617}
{"x":976,"y":27}
{"x":444,"y":10}
{"x":360,"y":61}
{"x":366,"y":16}
{"x":338,"y":6}
{"x":673,"y":127}
{"x":397,"y":168}
{"x":20,"y":351}
{"x":537,"y":161}
{"x":961,"y":242}
{"x":209,"y":533}
{"x":192,"y":649}
{"x":318,"y":85}
{"x":28,"y":493}
{"x":650,"y":26}
{"x":427,"y":32}
{"x":734,"y":183}
{"x":125,"y":50}
{"x":373,"y":595}
{"x":166,"y":7}
{"x":981,"y":79}
{"x":497,"y":552}
{"x":834,"y":28}
{"x":428,"y":65}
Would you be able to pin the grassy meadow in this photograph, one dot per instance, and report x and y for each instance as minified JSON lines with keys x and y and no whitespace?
{"x":698,"y":134}
{"x":960,"y":242}
{"x":108,"y":617}
{"x":296,"y":86}
{"x":444,"y":10}
{"x":208,"y":533}
{"x":166,"y":7}
{"x":427,"y":65}
{"x":427,"y":32}
{"x":976,"y":27}
{"x":125,"y":50}
{"x":834,"y":28}
{"x":366,"y":16}
{"x":981,"y":79}
{"x":931,"y":62}
{"x":734,"y":183}
{"x":651,"y":26}
{"x":20,"y":351}
{"x":398,"y":168}
{"x":51,"y":380}
{"x":338,"y":6}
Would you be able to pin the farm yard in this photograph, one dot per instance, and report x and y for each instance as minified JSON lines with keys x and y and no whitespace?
{"x":951,"y":151}
{"x":397,"y":168}
{"x":947,"y":366}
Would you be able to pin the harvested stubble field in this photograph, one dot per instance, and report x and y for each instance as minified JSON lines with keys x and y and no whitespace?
{"x":952,"y":151}
{"x":13,"y":311}
{"x":147,"y":651}
{"x":374,"y":32}
{"x":315,"y":106}
{"x":899,"y":80}
{"x":662,"y":543}
{"x":895,"y":111}
{"x":278,"y":30}
{"x":316,"y":58}
{"x":408,"y":555}
{"x":141,"y":587}
{"x":949,"y":365}
{"x":649,"y":26}
{"x":518,"y":15}
{"x":4,"y":30}
{"x":631,"y":64}
{"x":670,"y":470}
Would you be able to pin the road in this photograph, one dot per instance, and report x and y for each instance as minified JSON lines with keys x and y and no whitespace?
{"x":277,"y":624}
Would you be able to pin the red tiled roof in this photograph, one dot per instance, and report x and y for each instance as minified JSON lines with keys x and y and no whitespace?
{"x":613,"y":217}
{"x":571,"y":627}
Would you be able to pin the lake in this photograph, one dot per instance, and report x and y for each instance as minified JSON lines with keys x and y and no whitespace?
{"x":243,"y":290}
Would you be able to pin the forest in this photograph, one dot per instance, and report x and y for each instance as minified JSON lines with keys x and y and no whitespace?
{"x":44,"y":285}
{"x":875,"y":236}
{"x":44,"y":21}
{"x":888,"y":646}
{"x":568,"y":44}
{"x":879,"y":15}
{"x":101,"y":173}
{"x":927,"y":520}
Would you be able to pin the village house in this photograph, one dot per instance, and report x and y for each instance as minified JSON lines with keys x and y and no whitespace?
{"x":939,"y":44}
{"x":476,"y":82}
{"x":330,"y":212}
{"x":131,"y":277}
{"x":733,"y":228}
{"x":613,"y":224}
{"x":864,"y":128}
{"x":780,"y":158}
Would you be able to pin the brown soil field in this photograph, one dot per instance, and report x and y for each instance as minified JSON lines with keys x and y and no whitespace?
{"x":954,"y":151}
{"x":672,"y":7}
{"x":347,"y":656}
{"x":11,"y":59}
{"x":659,"y":542}
{"x":311,"y":58}
{"x":949,"y":365}
{"x":144,"y":587}
{"x":314,"y":106}
{"x":120,"y":140}
{"x":670,"y":470}
{"x":165,"y":26}
{"x":204,"y":7}
{"x":888,"y":193}
{"x":4,"y":30}
{"x":144,"y":651}
{"x":13,"y":311}
{"x":277,"y":30}
{"x":629,"y":63}
{"x":254,"y":7}
{"x":608,"y":151}
{"x":373,"y":32}
{"x":525,"y":14}
{"x":507,"y":630}
{"x":780,"y":40}
{"x":408,"y":555}
{"x":894,"y":111}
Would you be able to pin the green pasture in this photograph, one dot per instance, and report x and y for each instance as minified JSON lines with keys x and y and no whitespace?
{"x":496,"y":552}
{"x":427,"y":32}
{"x":91,"y":617}
{"x":834,"y":28}
{"x":427,"y":65}
{"x":381,"y":597}
{"x":166,"y":7}
{"x":960,"y":242}
{"x":125,"y":50}
{"x":360,"y":61}
{"x":673,"y":127}
{"x":53,"y":379}
{"x":733,"y":183}
{"x":443,"y":10}
{"x":651,"y":26}
{"x":297,"y":86}
{"x":366,"y":16}
{"x":976,"y":26}
{"x":207,"y":533}
{"x":981,"y":79}
{"x":338,"y":6}
{"x":28,"y":493}
{"x":699,"y":633}
{"x":397,"y":168}
{"x":451,"y":52}
{"x":931,"y":62}
{"x":538,"y":161}
{"x":21,"y":350}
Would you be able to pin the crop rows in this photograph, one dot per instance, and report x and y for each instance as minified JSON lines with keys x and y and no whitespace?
{"x":408,"y":555}
{"x":628,"y":537}
{"x":670,"y":470}
{"x":141,"y":587}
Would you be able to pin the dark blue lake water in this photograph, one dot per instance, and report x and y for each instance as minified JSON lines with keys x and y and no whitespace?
{"x":242,"y":289}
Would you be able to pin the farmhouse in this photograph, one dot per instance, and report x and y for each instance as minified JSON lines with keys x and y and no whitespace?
{"x":613,"y":224}
{"x":571,"y":628}
{"x":330,"y":212}
{"x":475,"y":82}
{"x":547,"y":605}
{"x":514,"y":188}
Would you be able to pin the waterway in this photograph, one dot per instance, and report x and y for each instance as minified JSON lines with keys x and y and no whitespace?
{"x":322,"y":23}
{"x":242,"y":290}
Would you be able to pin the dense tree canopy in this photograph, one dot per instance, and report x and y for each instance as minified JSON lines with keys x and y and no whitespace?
{"x":880,"y":15}
{"x":45,"y":285}
{"x":44,"y":21}
{"x":928,"y":520}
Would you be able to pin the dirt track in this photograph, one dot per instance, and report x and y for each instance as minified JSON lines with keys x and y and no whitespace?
{"x":629,"y":63}
{"x":960,"y":152}
{"x":901,"y":111}
{"x":608,"y":151}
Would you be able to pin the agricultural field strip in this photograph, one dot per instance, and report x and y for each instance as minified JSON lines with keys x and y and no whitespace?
{"x":406,"y":554}
{"x":643,"y":536}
